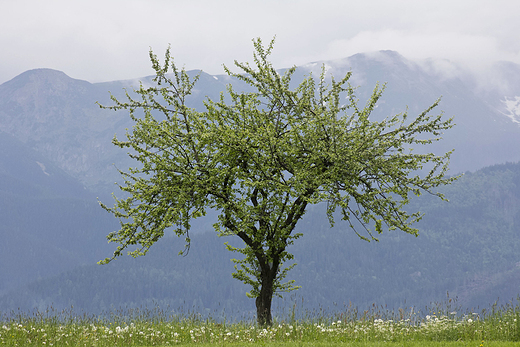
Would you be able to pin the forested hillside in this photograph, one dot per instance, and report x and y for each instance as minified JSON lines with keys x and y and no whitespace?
{"x":49,"y":222}
{"x":467,"y":247}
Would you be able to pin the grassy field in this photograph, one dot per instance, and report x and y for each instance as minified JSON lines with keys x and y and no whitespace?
{"x":496,"y":327}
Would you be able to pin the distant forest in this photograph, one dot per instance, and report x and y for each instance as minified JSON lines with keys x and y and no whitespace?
{"x":467,"y":247}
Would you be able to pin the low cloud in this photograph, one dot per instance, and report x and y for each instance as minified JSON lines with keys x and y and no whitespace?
{"x":101,"y":40}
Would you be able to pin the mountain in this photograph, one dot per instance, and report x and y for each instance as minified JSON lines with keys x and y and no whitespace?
{"x":50,"y":222}
{"x":57,"y":157}
{"x":467,"y":247}
{"x":484,"y":134}
{"x":58,"y":116}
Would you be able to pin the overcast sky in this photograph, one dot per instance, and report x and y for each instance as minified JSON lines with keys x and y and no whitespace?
{"x":109,"y":40}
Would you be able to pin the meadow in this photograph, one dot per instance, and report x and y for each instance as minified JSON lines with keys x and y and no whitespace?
{"x":436,"y":326}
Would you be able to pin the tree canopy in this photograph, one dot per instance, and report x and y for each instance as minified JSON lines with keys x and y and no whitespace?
{"x":260,"y":157}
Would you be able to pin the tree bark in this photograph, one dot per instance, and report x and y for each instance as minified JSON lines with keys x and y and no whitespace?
{"x":263,"y":305}
{"x":263,"y":301}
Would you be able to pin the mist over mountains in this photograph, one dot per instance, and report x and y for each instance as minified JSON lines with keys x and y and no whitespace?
{"x":57,"y":158}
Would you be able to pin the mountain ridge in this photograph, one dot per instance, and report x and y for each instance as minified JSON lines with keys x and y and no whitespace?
{"x":58,"y":115}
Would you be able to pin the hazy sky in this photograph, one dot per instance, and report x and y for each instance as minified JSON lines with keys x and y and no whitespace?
{"x":110,"y":39}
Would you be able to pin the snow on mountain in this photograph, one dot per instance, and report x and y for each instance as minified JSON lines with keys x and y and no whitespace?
{"x":512,"y":106}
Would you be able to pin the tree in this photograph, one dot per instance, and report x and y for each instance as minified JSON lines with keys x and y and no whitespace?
{"x":261,"y":157}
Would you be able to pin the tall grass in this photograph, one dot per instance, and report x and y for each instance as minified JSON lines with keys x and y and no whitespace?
{"x":142,"y":327}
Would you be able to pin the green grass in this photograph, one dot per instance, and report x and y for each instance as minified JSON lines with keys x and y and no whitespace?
{"x":497,"y":327}
{"x":380,"y":344}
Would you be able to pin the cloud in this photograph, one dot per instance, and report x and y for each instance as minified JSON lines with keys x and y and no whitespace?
{"x":475,"y":52}
{"x":107,"y":40}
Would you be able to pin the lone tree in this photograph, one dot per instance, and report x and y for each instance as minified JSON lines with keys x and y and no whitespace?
{"x":260,"y":158}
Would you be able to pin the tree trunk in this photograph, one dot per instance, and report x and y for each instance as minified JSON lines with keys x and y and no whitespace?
{"x":263,"y":305}
{"x":263,"y":301}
